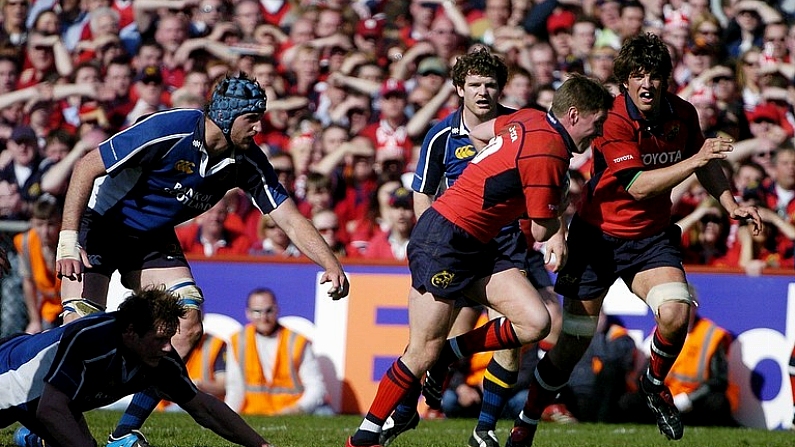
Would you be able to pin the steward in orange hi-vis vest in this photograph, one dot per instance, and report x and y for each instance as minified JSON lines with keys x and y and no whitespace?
{"x":203,"y":364}
{"x":697,"y":370}
{"x":42,"y":273}
{"x":265,"y":397}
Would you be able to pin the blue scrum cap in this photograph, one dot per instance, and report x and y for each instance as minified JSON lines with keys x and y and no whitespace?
{"x":234,"y":97}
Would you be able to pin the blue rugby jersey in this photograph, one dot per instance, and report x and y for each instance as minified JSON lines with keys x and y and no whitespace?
{"x":159,"y":173}
{"x":446,"y":151}
{"x":86,"y":361}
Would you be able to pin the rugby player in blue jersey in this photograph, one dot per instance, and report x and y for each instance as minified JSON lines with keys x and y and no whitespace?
{"x":126,"y":196}
{"x":47,"y":380}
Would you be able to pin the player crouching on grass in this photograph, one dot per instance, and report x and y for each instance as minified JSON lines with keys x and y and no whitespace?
{"x":49,"y":379}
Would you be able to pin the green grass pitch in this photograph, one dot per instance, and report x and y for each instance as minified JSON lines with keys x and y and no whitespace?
{"x":179,"y":430}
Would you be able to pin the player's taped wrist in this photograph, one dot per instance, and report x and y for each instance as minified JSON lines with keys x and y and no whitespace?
{"x":68,"y":247}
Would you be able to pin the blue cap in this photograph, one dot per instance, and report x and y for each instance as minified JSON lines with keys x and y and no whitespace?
{"x":234,"y":97}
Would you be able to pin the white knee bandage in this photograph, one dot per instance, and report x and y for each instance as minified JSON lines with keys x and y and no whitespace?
{"x":668,"y":292}
{"x":80,"y":306}
{"x":579,"y":325}
{"x":189,"y":294}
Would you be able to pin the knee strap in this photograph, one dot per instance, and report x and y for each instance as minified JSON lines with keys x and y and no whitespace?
{"x":668,"y":292}
{"x":189,"y":294}
{"x":579,"y":325}
{"x":81,"y":307}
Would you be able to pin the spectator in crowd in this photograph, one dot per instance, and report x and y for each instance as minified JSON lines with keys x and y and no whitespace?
{"x":447,"y":39}
{"x":318,"y":195}
{"x":758,"y":252}
{"x":373,"y":217}
{"x":418,"y":26}
{"x":86,"y":365}
{"x":270,"y":369}
{"x":632,"y":15}
{"x":518,"y":89}
{"x":36,"y":251}
{"x":55,"y":178}
{"x":391,"y":243}
{"x":746,"y":28}
{"x":748,"y":64}
{"x":390,"y":131}
{"x":705,"y":236}
{"x":780,"y":189}
{"x":608,"y":13}
{"x":13,"y":31}
{"x":707,"y":29}
{"x":359,"y":177}
{"x":206,"y":365}
{"x":206,"y":15}
{"x":542,"y":65}
{"x":149,"y":84}
{"x":46,"y":59}
{"x":583,"y":36}
{"x":196,"y":85}
{"x":212,"y":234}
{"x":328,"y":225}
{"x":559,"y":26}
{"x":20,"y":179}
{"x":272,"y":241}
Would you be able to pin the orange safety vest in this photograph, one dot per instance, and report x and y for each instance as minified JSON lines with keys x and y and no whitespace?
{"x":48,"y":286}
{"x":691,"y":368}
{"x":285,"y":389}
{"x":479,"y":361}
{"x":200,"y":363}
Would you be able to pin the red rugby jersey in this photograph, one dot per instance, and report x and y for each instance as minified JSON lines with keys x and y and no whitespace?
{"x":628,"y":142}
{"x":520,"y":172}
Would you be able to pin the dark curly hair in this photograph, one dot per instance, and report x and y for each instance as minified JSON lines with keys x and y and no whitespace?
{"x":479,"y":62}
{"x":150,"y":309}
{"x":644,"y":53}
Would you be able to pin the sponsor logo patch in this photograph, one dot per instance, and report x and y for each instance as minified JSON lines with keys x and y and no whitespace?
{"x":442,"y":279}
{"x":184,"y":166}
{"x":464,"y":152}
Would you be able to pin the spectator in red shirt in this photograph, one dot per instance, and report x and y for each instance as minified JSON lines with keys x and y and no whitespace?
{"x":46,"y":58}
{"x":399,"y":216}
{"x":390,"y":131}
{"x":210,"y":234}
{"x":373,"y":219}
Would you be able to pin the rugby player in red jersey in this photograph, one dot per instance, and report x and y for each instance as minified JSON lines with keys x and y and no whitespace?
{"x":452,"y":251}
{"x":651,"y":142}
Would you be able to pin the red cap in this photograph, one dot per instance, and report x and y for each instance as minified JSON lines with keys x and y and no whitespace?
{"x":765,"y":112}
{"x":562,"y":21}
{"x":393,"y":85}
{"x":372,"y":27}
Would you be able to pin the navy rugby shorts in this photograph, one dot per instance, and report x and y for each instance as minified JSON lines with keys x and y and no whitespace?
{"x":596,"y":259}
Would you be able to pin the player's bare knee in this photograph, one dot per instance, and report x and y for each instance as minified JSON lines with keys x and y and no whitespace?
{"x":533,"y":329}
{"x":673,"y":319}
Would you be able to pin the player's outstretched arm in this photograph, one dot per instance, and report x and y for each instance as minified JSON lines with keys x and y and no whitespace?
{"x":209,"y":412}
{"x":66,"y":428}
{"x":306,"y":237}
